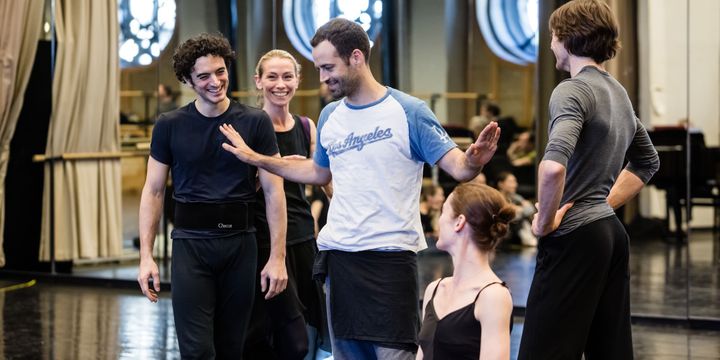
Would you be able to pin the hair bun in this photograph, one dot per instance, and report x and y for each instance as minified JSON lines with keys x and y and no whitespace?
{"x":505,"y":215}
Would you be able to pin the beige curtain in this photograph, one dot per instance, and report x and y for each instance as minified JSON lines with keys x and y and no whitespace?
{"x":20,"y":27}
{"x":87,"y":203}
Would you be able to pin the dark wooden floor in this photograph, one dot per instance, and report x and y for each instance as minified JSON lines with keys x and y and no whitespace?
{"x":55,"y":321}
{"x":50,"y":321}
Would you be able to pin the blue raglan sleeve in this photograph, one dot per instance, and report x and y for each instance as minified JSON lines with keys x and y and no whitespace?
{"x":320,"y":156}
{"x":428,"y":139}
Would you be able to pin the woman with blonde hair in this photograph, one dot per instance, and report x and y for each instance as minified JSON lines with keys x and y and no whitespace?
{"x":278,"y":325}
{"x":469,"y":315}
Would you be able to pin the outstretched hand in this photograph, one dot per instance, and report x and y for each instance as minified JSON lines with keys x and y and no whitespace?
{"x":483,"y":149}
{"x":238,"y":148}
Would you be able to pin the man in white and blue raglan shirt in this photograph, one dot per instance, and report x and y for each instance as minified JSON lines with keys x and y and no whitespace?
{"x":372,"y":144}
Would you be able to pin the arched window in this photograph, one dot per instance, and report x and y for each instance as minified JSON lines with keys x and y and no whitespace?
{"x":146,"y":27}
{"x":510,"y":28}
{"x":303,"y":17}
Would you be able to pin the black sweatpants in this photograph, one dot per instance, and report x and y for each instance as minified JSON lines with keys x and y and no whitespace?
{"x":213,"y":283}
{"x":579,"y":300}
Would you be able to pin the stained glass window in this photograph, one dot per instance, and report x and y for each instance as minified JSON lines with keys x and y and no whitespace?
{"x":303,"y":17}
{"x":146,"y":27}
{"x":510,"y":28}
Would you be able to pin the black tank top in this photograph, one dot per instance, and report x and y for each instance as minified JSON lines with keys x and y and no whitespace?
{"x":300,"y":223}
{"x":455,"y":336}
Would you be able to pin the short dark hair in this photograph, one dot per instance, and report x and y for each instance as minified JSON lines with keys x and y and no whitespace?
{"x":502,"y":176}
{"x":345,"y":36}
{"x":196,"y":47}
{"x":493,"y":108}
{"x":587,"y":28}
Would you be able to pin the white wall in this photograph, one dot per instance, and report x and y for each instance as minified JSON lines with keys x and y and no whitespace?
{"x":704,"y":92}
{"x":679,"y":76}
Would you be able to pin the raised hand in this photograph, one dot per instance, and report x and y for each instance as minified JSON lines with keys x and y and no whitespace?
{"x":483,"y":149}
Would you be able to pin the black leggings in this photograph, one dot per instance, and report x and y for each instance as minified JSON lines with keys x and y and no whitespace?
{"x":277,"y":326}
{"x":579,"y":300}
{"x":213,"y":283}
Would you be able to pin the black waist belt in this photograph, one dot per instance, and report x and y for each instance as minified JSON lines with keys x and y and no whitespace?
{"x":236,"y":216}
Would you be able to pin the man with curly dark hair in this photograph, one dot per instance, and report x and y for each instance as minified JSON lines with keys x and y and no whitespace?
{"x":214,"y":249}
{"x":579,"y":300}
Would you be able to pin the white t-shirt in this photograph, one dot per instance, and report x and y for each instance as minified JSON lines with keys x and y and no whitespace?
{"x":376,"y":153}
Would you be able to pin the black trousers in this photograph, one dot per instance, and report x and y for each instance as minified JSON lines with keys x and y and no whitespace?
{"x":579,"y":300}
{"x":213,"y":282}
{"x":277,"y":326}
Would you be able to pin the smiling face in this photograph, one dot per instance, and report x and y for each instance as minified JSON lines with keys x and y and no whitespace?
{"x":278,"y":81}
{"x":342,"y":78}
{"x":209,"y":80}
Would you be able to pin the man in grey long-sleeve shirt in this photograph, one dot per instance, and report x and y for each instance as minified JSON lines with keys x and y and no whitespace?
{"x":579,"y":299}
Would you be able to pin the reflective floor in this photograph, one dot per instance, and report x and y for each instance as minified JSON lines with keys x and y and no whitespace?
{"x":48,"y":321}
{"x":661,"y":283}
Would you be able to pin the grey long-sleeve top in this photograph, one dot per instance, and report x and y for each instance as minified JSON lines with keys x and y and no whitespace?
{"x":593,"y":129}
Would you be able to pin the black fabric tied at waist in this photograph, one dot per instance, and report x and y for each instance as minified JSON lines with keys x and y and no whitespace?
{"x":320,"y":267}
{"x":233,"y":216}
{"x":373,"y":295}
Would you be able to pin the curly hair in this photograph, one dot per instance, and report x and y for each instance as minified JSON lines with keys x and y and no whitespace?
{"x":486,"y":211}
{"x":345,"y":36}
{"x":196,"y":47}
{"x":587,"y":28}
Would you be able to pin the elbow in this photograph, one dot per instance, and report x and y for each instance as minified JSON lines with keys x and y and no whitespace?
{"x":654,"y":165}
{"x":552,"y":170}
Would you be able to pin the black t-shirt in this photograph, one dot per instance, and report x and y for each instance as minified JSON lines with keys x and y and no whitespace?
{"x":202,"y":171}
{"x":300,"y":223}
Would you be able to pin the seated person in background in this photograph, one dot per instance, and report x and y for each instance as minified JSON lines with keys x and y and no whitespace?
{"x":480,"y":179}
{"x":489,"y":112}
{"x":165,"y":99}
{"x":521,"y":227}
{"x":431,"y":201}
{"x":522,"y":151}
{"x":469,"y":315}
